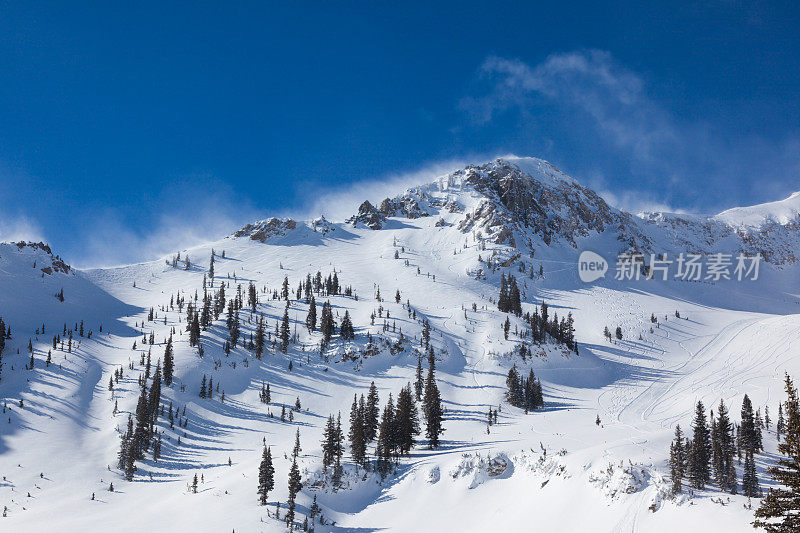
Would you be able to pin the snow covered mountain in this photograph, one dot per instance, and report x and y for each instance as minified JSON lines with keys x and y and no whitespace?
{"x":434,"y":256}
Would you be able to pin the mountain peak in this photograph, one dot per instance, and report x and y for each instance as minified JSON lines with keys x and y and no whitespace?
{"x":782,"y":212}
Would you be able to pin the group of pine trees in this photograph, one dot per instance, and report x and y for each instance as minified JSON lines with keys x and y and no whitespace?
{"x":713,"y":450}
{"x":394,"y":430}
{"x":523,"y":393}
{"x":509,"y":300}
{"x":542,"y":326}
{"x":779,"y":511}
{"x":5,"y":333}
{"x":141,"y":434}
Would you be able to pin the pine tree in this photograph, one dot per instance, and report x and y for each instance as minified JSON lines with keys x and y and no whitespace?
{"x":126,"y":457}
{"x":327,"y":324}
{"x":426,"y":333}
{"x":169,"y":363}
{"x":724,"y":451}
{"x":260,"y":339}
{"x":141,"y":435}
{"x":781,"y":425}
{"x":338,"y":448}
{"x":285,"y":288}
{"x":386,"y":435}
{"x":194,"y":331}
{"x":750,"y":486}
{"x":266,"y":475}
{"x":780,"y":509}
{"x":371,"y":414}
{"x":677,"y":461}
{"x":699,"y":473}
{"x":264,"y":395}
{"x":502,"y":300}
{"x":358,"y":443}
{"x":419,"y":383}
{"x":311,"y":318}
{"x":285,"y":331}
{"x":154,"y":399}
{"x":328,"y":443}
{"x":407,"y":420}
{"x":515,"y":394}
{"x":432,"y":408}
{"x":294,"y":487}
{"x":297,"y":449}
{"x":747,"y":430}
{"x":346,"y":329}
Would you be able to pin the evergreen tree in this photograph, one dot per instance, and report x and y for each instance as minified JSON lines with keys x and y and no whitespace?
{"x":194,"y":331}
{"x":311,"y":318}
{"x":386,"y":435}
{"x":358,"y":443}
{"x":780,"y":509}
{"x":502,"y":300}
{"x":327,"y":324}
{"x":294,"y":487}
{"x":264,"y":395}
{"x":285,"y":331}
{"x":407,"y":420}
{"x":203,"y":390}
{"x":371,"y":414}
{"x":724,"y":450}
{"x":432,"y":408}
{"x":126,"y":456}
{"x":141,"y":435}
{"x":750,"y":486}
{"x":699,"y":473}
{"x":515,"y":394}
{"x":328,"y":443}
{"x":677,"y":461}
{"x":260,"y":339}
{"x":169,"y":363}
{"x":154,"y":399}
{"x":346,"y":329}
{"x":266,"y":475}
{"x":297,"y":449}
{"x":747,"y":430}
{"x":426,"y":333}
{"x":419,"y":383}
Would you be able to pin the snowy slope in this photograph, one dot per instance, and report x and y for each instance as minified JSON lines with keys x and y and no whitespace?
{"x":453,"y":239}
{"x":782,"y":212}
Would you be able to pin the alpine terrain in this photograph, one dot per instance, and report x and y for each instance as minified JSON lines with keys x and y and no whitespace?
{"x":434,"y":362}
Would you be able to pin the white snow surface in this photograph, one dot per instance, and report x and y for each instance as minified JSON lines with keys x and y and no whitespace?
{"x":780,"y":212}
{"x":549,"y":470}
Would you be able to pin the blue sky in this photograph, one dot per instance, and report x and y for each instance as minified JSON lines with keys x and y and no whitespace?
{"x":127,"y":131}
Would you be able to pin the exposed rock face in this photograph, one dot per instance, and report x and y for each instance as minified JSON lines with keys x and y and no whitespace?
{"x":402,"y":206}
{"x":56,"y":263}
{"x":556,"y":209}
{"x":369,"y":216}
{"x":321,"y":225}
{"x":777,"y":243}
{"x":264,"y":229}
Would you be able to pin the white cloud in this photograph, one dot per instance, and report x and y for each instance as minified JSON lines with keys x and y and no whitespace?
{"x":339,"y":203}
{"x":19,"y":228}
{"x":610,"y":106}
{"x":187,"y":213}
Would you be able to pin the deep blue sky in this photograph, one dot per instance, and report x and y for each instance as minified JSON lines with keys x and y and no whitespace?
{"x":125,"y":126}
